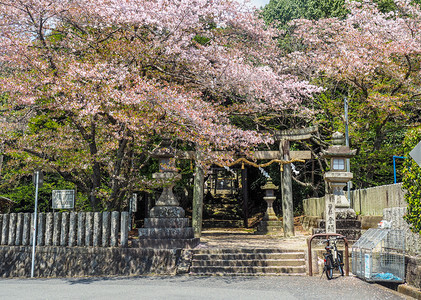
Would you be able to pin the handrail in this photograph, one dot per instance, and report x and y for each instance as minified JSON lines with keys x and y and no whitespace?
{"x":310,"y":262}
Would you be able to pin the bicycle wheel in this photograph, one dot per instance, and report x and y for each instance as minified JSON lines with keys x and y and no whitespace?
{"x":329,"y":267}
{"x":340,"y":264}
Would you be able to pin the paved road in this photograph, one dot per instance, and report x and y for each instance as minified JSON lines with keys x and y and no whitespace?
{"x":185,"y":287}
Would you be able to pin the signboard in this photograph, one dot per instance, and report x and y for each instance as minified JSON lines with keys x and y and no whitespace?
{"x":416,"y":154}
{"x":63,"y":199}
{"x":330,"y":213}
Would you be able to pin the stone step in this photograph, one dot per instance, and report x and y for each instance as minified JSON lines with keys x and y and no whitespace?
{"x":248,"y":263}
{"x":235,"y":270}
{"x":223,"y":215}
{"x":246,"y":251}
{"x":224,"y":200}
{"x":246,"y":274}
{"x":270,"y":223}
{"x":254,"y":256}
{"x":213,"y":206}
{"x":213,"y":223}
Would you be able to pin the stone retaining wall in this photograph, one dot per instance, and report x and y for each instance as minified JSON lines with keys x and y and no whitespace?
{"x":66,"y":229}
{"x":15,"y":261}
{"x":412,"y":244}
{"x":412,"y":240}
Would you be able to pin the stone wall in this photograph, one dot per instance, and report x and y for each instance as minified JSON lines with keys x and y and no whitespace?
{"x":412,"y":240}
{"x":373,"y":200}
{"x":66,"y":229}
{"x":366,"y":202}
{"x":15,"y":261}
{"x":413,"y":271}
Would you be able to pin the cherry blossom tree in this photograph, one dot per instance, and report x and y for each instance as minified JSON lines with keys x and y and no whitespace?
{"x":374,"y":57}
{"x":95,"y":81}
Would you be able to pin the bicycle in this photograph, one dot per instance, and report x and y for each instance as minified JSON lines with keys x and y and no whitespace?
{"x":332,"y":259}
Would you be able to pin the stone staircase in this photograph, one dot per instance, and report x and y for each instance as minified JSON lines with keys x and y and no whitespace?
{"x":230,"y":262}
{"x":224,"y":211}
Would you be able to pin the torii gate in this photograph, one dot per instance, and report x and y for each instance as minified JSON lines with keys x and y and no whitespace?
{"x":284,"y":154}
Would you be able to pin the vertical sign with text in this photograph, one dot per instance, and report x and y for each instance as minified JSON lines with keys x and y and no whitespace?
{"x":330,"y":213}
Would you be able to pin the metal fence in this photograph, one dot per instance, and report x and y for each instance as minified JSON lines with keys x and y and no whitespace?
{"x":66,"y":229}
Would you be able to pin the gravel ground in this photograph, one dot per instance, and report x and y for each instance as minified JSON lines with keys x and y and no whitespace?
{"x":243,"y":238}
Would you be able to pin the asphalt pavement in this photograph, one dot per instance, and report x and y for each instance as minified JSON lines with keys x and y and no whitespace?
{"x":189,"y":287}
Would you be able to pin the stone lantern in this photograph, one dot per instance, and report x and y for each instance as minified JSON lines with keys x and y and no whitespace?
{"x":339,"y":217}
{"x":167,"y":204}
{"x":270,"y":223}
{"x":338,"y":176}
{"x":166,"y":226}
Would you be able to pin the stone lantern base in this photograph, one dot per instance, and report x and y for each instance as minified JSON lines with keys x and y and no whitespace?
{"x":167,"y":228}
{"x":270,"y":223}
{"x":346,"y":224}
{"x":167,"y":232}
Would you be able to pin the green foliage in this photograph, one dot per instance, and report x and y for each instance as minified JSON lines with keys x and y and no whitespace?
{"x":284,"y":11}
{"x":202,"y":40}
{"x":412,"y":181}
{"x":22,"y":192}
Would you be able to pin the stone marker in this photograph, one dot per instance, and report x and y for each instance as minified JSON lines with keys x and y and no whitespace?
{"x":56,"y":229}
{"x":115,"y":228}
{"x":89,"y":223}
{"x":81,"y":229}
{"x":72,"y":229}
{"x":106,"y":230}
{"x":26,"y":231}
{"x":64,"y":234}
{"x":5,"y":229}
{"x":96,"y":239}
{"x":330,"y":214}
{"x":124,"y":229}
{"x":12,"y":229}
{"x":19,"y":228}
{"x":41,"y":229}
{"x":49,"y":229}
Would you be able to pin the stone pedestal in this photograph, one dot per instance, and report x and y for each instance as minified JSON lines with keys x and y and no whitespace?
{"x":167,"y":227}
{"x":346,"y":224}
{"x":270,"y":223}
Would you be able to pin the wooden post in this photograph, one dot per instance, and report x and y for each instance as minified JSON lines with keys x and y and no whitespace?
{"x":198,"y":189}
{"x":244,"y":184}
{"x":286,"y":189}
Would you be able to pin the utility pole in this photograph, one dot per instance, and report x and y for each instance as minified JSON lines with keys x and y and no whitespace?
{"x":37,"y":179}
{"x":348,"y":164}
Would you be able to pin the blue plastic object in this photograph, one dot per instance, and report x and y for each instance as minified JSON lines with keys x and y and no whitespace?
{"x":386,"y":276}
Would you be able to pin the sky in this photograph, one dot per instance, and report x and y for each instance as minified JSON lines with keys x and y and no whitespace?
{"x":259,"y":3}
